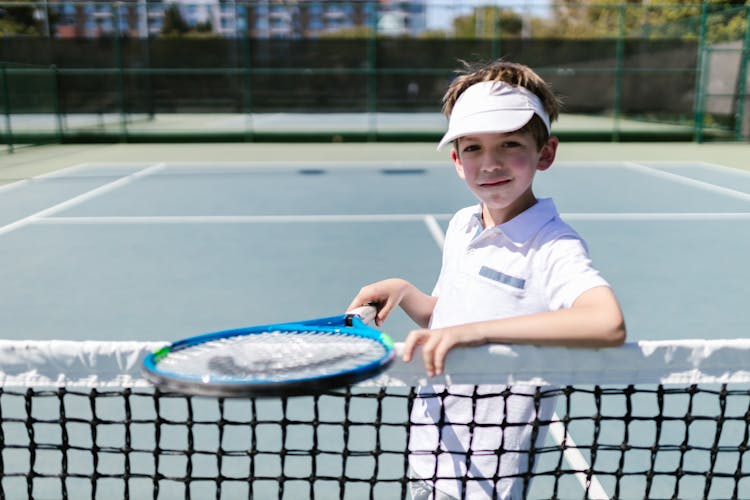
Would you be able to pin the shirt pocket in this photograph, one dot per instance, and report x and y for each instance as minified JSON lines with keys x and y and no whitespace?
{"x":494,"y":292}
{"x":502,"y":278}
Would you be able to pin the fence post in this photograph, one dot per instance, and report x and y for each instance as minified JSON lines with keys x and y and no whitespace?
{"x":741,"y":128}
{"x":497,"y":33}
{"x":145,"y":32}
{"x":619,"y":63}
{"x":6,"y":109}
{"x":59,"y":128}
{"x":372,"y":75}
{"x":247,"y":74}
{"x":120,"y":72}
{"x":700,"y":77}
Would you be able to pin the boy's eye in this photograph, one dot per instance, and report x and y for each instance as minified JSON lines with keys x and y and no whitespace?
{"x":511,"y":144}
{"x":471,"y":148}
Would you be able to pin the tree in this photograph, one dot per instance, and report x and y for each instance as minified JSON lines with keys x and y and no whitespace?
{"x":643,"y":18}
{"x":488,"y":22}
{"x":19,"y":19}
{"x":174,"y":23}
{"x":355,"y":32}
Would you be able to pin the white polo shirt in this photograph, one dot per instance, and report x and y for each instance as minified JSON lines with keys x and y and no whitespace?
{"x":530,"y":264}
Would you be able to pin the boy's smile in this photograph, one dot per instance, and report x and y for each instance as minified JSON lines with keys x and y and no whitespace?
{"x":495,"y":182}
{"x":499,"y":169}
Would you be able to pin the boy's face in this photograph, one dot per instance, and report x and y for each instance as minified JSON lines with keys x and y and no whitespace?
{"x":499,"y":169}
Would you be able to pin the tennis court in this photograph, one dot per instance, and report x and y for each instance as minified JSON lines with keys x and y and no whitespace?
{"x":155,"y":250}
{"x":155,"y":243}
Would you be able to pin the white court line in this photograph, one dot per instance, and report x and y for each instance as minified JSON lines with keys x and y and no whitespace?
{"x":238,"y":219}
{"x":657,"y":216}
{"x":588,"y":164}
{"x":13,"y":185}
{"x":614,"y":164}
{"x":430,"y":220}
{"x":697,"y":163}
{"x":48,"y":175}
{"x":435,"y":230}
{"x":576,"y":460}
{"x":54,"y":173}
{"x":79,"y":199}
{"x":557,"y":430}
{"x":62,"y":172}
{"x":681,"y":179}
{"x":323,"y":165}
{"x":724,"y":168}
{"x":386,"y":164}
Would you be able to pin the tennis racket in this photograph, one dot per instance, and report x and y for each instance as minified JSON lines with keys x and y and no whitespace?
{"x":300,"y":357}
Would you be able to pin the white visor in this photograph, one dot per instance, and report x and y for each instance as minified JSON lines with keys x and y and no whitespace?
{"x":487,"y":107}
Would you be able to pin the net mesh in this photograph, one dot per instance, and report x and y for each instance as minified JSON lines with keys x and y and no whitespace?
{"x":77,"y":420}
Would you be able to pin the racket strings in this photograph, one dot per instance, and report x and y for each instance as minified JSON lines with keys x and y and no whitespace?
{"x":274,"y":355}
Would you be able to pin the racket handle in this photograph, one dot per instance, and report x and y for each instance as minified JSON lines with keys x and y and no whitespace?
{"x":365,"y":313}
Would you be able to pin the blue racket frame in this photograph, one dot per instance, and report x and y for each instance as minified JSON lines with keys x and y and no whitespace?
{"x":345,"y":324}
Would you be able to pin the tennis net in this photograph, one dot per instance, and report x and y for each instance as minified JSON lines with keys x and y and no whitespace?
{"x":649,"y":419}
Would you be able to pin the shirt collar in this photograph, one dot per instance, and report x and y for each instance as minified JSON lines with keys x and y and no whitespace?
{"x":525,"y":225}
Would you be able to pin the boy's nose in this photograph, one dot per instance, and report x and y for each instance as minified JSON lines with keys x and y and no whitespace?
{"x":491,"y":162}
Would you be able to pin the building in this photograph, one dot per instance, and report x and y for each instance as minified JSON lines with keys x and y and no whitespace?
{"x":229,"y":18}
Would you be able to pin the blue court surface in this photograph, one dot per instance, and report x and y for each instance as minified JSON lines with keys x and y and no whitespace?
{"x":161,"y":250}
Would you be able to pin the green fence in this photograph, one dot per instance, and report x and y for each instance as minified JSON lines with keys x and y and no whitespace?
{"x":624,"y":72}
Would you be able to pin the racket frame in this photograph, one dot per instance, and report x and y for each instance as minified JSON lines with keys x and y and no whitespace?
{"x":347,"y":324}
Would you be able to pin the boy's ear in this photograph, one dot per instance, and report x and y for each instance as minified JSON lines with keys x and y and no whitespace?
{"x":457,"y":163}
{"x":548,"y":152}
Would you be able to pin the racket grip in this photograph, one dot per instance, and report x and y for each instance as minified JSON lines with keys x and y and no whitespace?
{"x":365,"y":313}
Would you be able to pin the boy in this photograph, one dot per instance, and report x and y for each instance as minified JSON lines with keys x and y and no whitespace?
{"x":512,"y":272}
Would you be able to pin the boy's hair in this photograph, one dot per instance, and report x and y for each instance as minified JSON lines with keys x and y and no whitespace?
{"x":513,"y":74}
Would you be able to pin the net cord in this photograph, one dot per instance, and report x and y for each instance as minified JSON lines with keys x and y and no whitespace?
{"x":108,"y":364}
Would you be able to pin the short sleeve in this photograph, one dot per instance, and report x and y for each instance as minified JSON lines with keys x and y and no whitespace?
{"x":569,"y":272}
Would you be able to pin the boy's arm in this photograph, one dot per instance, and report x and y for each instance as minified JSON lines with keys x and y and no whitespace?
{"x":594,"y":320}
{"x":394,"y":292}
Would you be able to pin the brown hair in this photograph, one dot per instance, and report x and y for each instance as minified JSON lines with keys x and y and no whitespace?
{"x":512,"y":74}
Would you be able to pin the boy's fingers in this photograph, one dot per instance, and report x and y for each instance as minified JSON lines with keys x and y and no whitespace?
{"x":428,"y":354}
{"x":434,"y":350}
{"x":383,"y":311}
{"x":357,"y":302}
{"x":407,"y":352}
{"x":410,"y":344}
{"x":364,"y":300}
{"x":441,"y":351}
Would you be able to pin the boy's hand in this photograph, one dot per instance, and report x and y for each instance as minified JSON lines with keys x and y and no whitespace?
{"x":387,"y":294}
{"x":436,"y":344}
